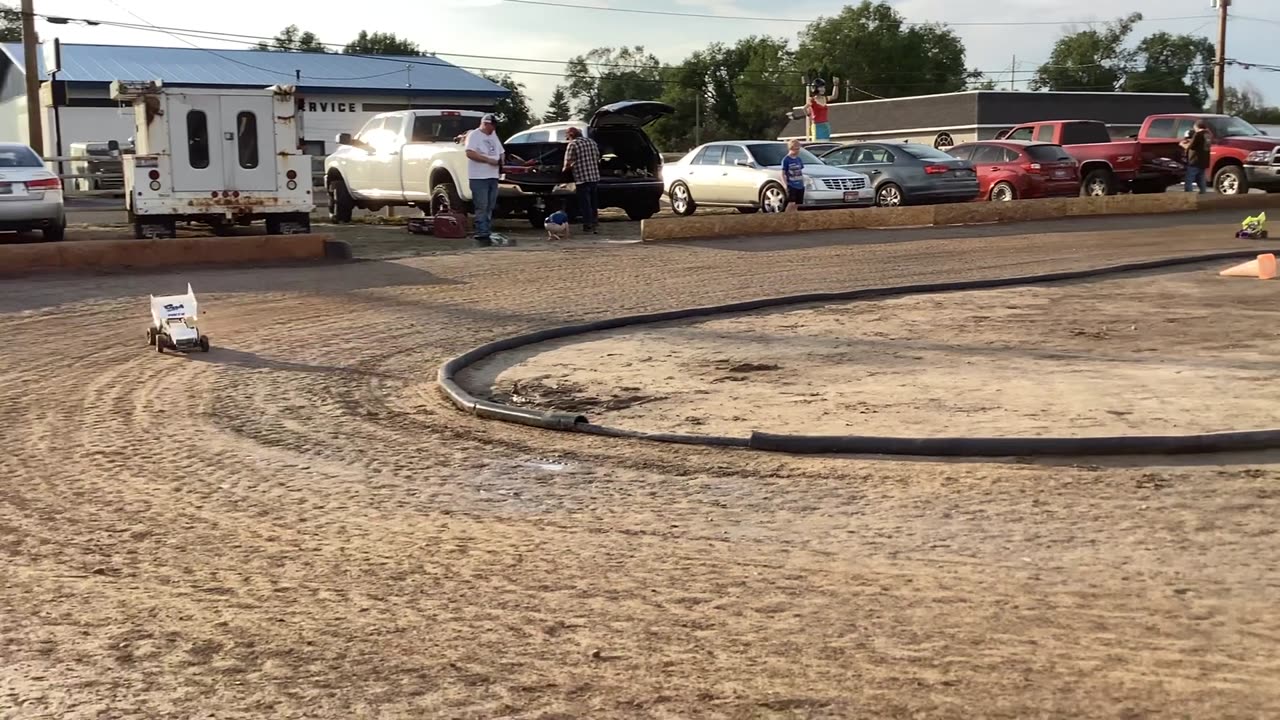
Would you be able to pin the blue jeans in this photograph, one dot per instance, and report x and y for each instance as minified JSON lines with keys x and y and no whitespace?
{"x":1195,"y":176}
{"x":589,"y":204}
{"x":484,"y":195}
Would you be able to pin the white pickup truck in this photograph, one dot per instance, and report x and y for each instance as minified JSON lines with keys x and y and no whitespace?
{"x":402,"y":158}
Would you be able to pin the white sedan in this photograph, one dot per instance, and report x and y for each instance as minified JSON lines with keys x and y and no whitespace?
{"x":747,"y":175}
{"x":30,"y":195}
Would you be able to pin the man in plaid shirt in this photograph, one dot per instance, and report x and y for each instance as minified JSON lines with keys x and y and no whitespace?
{"x":583,"y":158}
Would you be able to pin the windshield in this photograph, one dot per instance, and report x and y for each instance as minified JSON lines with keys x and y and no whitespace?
{"x":923,"y":152}
{"x":1232,"y":127}
{"x":19,"y":157}
{"x":771,"y":154}
{"x":442,"y":128}
{"x":1048,"y":153}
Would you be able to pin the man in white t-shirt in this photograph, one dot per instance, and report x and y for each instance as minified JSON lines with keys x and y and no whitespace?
{"x":484,"y":163}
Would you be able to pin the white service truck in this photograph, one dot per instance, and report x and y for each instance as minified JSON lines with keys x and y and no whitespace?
{"x":402,"y":158}
{"x":215,"y":156}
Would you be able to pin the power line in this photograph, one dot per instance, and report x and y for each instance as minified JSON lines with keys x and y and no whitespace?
{"x":674,"y":13}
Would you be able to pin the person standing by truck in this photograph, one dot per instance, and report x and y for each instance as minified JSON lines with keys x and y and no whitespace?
{"x":484,"y":160}
{"x":582,"y":157}
{"x":1196,"y":145}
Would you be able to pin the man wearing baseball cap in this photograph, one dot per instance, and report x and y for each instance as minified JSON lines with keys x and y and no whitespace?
{"x":484,"y":162}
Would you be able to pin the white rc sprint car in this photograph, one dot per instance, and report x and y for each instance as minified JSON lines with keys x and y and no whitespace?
{"x":175,"y":323}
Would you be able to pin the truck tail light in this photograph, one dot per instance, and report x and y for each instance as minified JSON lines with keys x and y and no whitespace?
{"x":936,"y":169}
{"x":1033,"y":168}
{"x":292,"y":175}
{"x":45,"y":184}
{"x":154,"y":175}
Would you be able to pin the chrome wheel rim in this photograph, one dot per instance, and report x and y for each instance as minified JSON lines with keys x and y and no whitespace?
{"x":773,"y":200}
{"x":889,"y":197}
{"x":1228,"y":184}
{"x":1097,"y":187}
{"x":1002,"y":193}
{"x":680,"y":199}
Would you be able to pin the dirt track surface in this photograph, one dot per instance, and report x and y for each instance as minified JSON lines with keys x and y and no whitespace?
{"x":1158,"y":353}
{"x":296,"y":525}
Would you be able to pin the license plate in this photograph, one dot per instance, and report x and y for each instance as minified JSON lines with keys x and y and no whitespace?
{"x":1059,"y":173}
{"x":851,"y":196}
{"x":964,"y":173}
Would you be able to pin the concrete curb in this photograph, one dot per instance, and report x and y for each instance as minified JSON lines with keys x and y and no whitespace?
{"x":93,"y":255}
{"x":712,"y":226}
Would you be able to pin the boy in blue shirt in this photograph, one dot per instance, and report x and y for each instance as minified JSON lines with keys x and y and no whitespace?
{"x":793,"y":176}
{"x":557,"y":225}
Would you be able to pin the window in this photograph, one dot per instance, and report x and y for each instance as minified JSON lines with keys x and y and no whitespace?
{"x":1020,"y":134}
{"x":536,"y":136}
{"x":1183,"y":126}
{"x":197,"y":139}
{"x":369,"y":128}
{"x":924,"y":152}
{"x":988,"y":154}
{"x":1162,"y":128}
{"x":247,"y":139}
{"x":709,"y":155}
{"x":1232,"y":127}
{"x":1044,"y":133}
{"x":771,"y":154}
{"x":1084,"y":133}
{"x":393,"y":125}
{"x":20,"y":157}
{"x":961,"y":152}
{"x":733,"y":154}
{"x":442,"y":128}
{"x":871,"y":155}
{"x":1048,"y":153}
{"x":838,"y":157}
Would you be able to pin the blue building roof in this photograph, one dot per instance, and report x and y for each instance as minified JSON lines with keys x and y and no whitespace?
{"x":378,"y":75}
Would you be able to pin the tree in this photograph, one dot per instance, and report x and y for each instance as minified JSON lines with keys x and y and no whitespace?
{"x":1173,"y":63}
{"x":1089,"y":59}
{"x":558,"y":110}
{"x":727,"y":91}
{"x":379,"y":43}
{"x":292,"y":39}
{"x":10,"y":24}
{"x":513,"y":110}
{"x":607,"y":75}
{"x":872,"y":47}
{"x":1246,"y":104}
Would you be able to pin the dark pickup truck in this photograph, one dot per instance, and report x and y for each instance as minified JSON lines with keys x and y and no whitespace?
{"x":533,"y":179}
{"x":1109,"y":166}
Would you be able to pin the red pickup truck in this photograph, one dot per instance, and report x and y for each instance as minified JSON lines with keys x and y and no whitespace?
{"x":1240,"y":157}
{"x":1108,"y":166}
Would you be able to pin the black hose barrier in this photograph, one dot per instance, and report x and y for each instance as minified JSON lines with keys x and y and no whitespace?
{"x":857,"y":444}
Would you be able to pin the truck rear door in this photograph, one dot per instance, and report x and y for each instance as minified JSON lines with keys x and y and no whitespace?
{"x":249,"y":138}
{"x":195,"y":132}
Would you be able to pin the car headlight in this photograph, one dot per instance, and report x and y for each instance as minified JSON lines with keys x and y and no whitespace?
{"x":809,"y":184}
{"x":1259,"y":156}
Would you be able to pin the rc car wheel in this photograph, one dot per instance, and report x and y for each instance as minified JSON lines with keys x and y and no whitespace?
{"x":204,"y":343}
{"x":151,"y":336}
{"x":159,"y":344}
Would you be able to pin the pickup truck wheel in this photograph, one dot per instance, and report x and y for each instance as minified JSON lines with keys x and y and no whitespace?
{"x":536,"y":220}
{"x":645,"y":211}
{"x":1096,"y":184}
{"x":341,"y":204}
{"x":1231,"y":180}
{"x":682,"y":200}
{"x":445,"y":198}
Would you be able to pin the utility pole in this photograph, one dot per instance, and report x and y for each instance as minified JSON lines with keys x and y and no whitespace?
{"x":1220,"y":66}
{"x":35,"y":128}
{"x":1013,"y":71}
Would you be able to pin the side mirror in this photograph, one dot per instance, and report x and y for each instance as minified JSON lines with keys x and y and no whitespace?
{"x":742,"y":163}
{"x":344,"y":138}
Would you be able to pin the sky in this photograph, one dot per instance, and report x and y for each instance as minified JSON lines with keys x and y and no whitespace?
{"x":476,"y":33}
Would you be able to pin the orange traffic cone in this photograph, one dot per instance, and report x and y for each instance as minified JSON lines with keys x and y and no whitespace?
{"x":1264,"y":268}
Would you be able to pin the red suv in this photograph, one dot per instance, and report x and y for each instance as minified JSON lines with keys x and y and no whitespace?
{"x":1019,"y":170}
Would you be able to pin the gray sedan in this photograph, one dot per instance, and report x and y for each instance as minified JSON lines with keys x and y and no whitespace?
{"x":908,"y":173}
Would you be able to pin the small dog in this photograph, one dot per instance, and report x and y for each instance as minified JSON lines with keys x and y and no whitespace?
{"x":557,"y":225}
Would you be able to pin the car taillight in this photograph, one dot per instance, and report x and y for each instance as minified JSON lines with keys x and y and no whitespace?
{"x":936,"y":169}
{"x":292,"y":175}
{"x":1031,"y":167}
{"x":514,"y":169}
{"x":45,"y":184}
{"x":154,"y":174}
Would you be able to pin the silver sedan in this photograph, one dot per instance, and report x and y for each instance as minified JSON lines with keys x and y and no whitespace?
{"x":748,"y":175}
